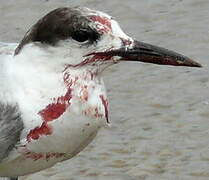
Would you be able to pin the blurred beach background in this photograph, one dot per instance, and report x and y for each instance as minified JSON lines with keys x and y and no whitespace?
{"x":159,"y":114}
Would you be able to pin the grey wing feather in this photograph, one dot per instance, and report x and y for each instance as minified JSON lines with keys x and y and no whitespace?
{"x":11,"y":126}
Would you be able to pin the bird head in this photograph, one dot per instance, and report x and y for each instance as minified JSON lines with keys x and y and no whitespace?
{"x":81,"y":37}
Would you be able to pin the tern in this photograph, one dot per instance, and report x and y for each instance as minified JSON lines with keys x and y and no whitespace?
{"x":52,"y":97}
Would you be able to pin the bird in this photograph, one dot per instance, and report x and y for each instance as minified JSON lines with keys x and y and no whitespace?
{"x":52,"y":96}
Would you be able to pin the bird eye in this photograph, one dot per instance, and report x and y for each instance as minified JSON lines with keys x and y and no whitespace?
{"x":80,"y":36}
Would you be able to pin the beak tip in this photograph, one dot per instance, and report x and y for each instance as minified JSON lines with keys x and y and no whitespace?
{"x":193,"y":63}
{"x":199,"y":65}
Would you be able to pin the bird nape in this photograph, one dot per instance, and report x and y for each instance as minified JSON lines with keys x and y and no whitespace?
{"x":52,"y":89}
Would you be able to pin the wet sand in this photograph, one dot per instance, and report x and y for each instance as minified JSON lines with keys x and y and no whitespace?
{"x":159,"y":114}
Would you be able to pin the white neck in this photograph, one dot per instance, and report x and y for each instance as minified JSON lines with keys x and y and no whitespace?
{"x":36,"y":84}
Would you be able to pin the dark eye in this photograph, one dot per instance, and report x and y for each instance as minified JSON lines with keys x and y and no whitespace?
{"x":80,"y":36}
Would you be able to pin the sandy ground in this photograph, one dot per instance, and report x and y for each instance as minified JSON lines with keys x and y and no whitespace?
{"x":159,"y":115}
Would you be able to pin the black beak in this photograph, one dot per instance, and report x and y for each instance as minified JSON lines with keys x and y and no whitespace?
{"x":148,"y":53}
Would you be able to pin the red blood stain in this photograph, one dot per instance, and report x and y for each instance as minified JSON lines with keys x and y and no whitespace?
{"x":66,"y":77}
{"x":34,"y":156}
{"x":55,"y":110}
{"x":94,"y":58}
{"x":46,"y":156}
{"x":126,"y":42}
{"x":97,"y":114}
{"x":105,"y":104}
{"x":85,"y":93}
{"x":51,"y":112}
{"x":104,"y":21}
{"x":35,"y":133}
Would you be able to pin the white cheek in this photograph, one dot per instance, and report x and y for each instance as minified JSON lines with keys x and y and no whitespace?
{"x":109,"y":42}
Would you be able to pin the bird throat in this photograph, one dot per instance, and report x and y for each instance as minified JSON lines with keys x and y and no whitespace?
{"x":84,"y":89}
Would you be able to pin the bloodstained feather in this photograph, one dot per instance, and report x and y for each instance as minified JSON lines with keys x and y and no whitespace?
{"x":35,"y":133}
{"x":104,"y":21}
{"x":96,"y":56}
{"x":105,"y":104}
{"x":47,"y":156}
{"x":49,"y":113}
